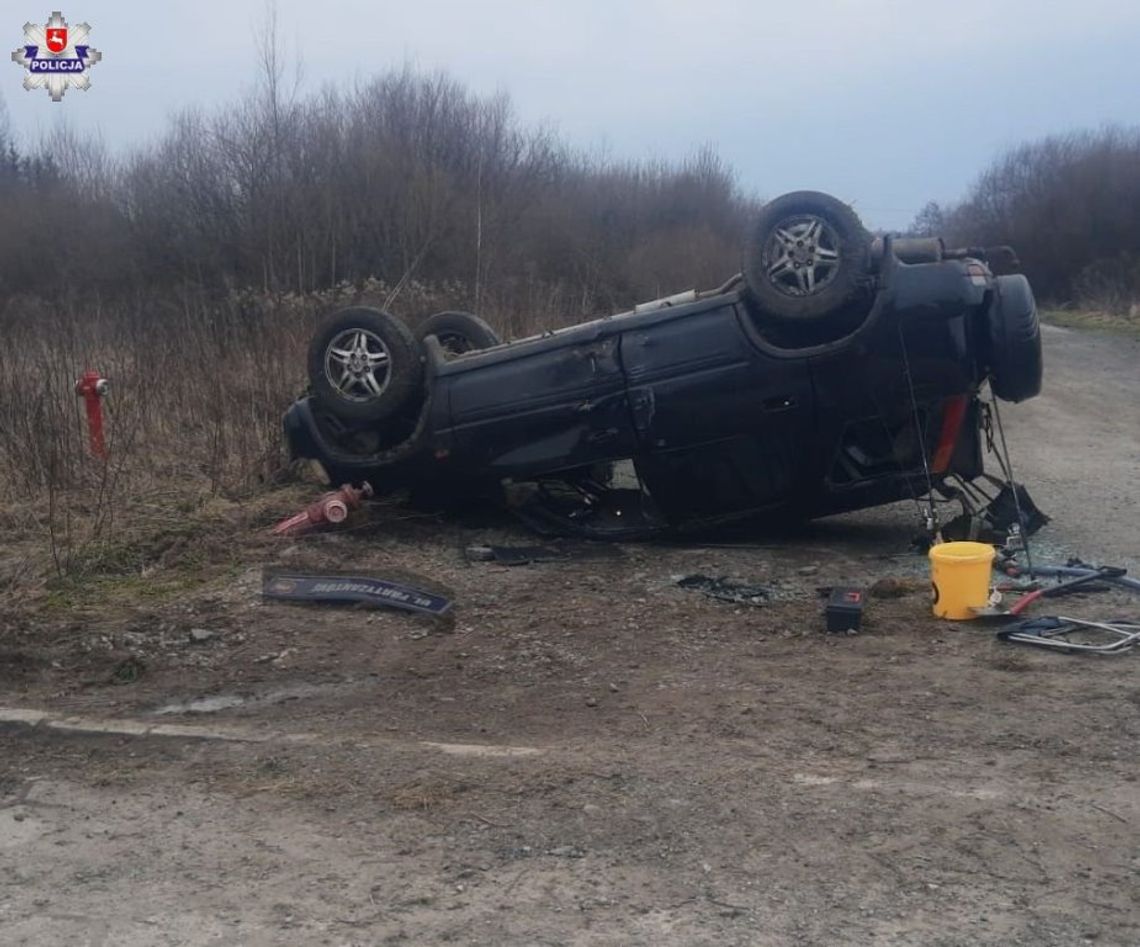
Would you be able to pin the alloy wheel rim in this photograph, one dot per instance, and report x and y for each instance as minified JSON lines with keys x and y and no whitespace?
{"x":358,"y":365}
{"x":802,"y":255}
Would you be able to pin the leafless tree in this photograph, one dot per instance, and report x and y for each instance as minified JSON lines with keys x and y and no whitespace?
{"x":1070,"y":204}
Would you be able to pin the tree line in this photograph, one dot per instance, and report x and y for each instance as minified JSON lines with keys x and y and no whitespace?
{"x":408,"y":176}
{"x":411,"y":176}
{"x":1069,"y":205}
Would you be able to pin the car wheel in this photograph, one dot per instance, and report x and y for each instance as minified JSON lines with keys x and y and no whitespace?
{"x":807,"y":255}
{"x":458,"y":332}
{"x":365,"y":364}
{"x":1014,"y":340}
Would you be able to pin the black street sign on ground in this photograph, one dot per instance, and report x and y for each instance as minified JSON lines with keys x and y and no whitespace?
{"x":351,"y":589}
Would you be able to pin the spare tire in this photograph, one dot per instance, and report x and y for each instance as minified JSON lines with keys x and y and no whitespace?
{"x":458,"y":332}
{"x":806,"y":256}
{"x":1013,"y":355}
{"x":365,"y":365}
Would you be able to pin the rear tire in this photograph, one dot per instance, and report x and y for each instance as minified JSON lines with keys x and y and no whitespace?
{"x":365,"y":365}
{"x":1014,"y":341}
{"x":458,"y":332}
{"x":806,"y":257}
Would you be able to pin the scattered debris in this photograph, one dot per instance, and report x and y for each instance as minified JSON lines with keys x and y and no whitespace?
{"x":1117,"y":636}
{"x":351,"y":589}
{"x":567,"y":851}
{"x":844,"y":610}
{"x":524,"y":555}
{"x":890,"y":587}
{"x":1073,"y":567}
{"x":128,"y":671}
{"x":201,"y":635}
{"x":725,"y":590}
{"x":331,"y":508}
{"x":515,"y":555}
{"x":1022,"y":588}
{"x":1081,"y":583}
{"x":993,"y":519}
{"x":591,"y":511}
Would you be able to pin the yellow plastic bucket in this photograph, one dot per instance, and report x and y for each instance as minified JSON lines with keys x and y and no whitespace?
{"x":960,"y":576}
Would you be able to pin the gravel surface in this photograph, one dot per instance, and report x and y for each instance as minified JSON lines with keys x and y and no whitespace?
{"x":587,"y":753}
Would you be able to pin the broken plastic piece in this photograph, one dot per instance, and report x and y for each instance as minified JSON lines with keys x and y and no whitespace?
{"x":524,"y":555}
{"x":726,"y":591}
{"x":351,"y":589}
{"x":995,"y":522}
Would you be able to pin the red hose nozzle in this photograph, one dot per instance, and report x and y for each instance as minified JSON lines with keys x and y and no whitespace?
{"x":331,"y":508}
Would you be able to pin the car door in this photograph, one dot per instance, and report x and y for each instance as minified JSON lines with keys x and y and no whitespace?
{"x":542,"y":406}
{"x":722,"y":426}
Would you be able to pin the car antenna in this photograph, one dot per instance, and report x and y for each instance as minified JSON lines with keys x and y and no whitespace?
{"x":931,"y":516}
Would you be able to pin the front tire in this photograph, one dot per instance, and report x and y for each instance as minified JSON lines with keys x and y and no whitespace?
{"x":1013,"y":353}
{"x":458,"y":332}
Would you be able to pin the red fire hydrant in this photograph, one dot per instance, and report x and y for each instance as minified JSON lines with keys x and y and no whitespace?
{"x":331,"y":508}
{"x":92,"y":388}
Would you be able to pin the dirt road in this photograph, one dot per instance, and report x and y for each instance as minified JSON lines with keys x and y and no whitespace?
{"x":591,"y":755}
{"x":1079,"y":443}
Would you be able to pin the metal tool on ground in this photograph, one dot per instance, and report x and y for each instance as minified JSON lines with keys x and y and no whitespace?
{"x":1079,"y":583}
{"x":1056,"y":632}
{"x":1073,"y":568}
{"x":1022,"y":588}
{"x":332,"y":508}
{"x":844,"y":609}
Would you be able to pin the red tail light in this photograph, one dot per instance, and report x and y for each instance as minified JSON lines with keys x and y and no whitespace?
{"x":952,"y":417}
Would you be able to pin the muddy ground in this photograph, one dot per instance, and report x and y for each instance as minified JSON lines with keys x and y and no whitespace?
{"x":587,"y":754}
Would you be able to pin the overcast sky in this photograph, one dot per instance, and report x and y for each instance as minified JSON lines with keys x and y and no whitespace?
{"x":886,"y":103}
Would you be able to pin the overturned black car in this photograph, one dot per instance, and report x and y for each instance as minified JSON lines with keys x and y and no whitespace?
{"x":837,"y":371}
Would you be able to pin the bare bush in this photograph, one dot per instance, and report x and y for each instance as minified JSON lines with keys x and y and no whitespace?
{"x":406,"y":174}
{"x":1111,"y":285}
{"x":1068,"y":204}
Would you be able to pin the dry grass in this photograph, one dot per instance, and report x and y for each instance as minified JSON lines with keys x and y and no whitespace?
{"x":1127,"y":323}
{"x":194,"y":413}
{"x":198,"y":389}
